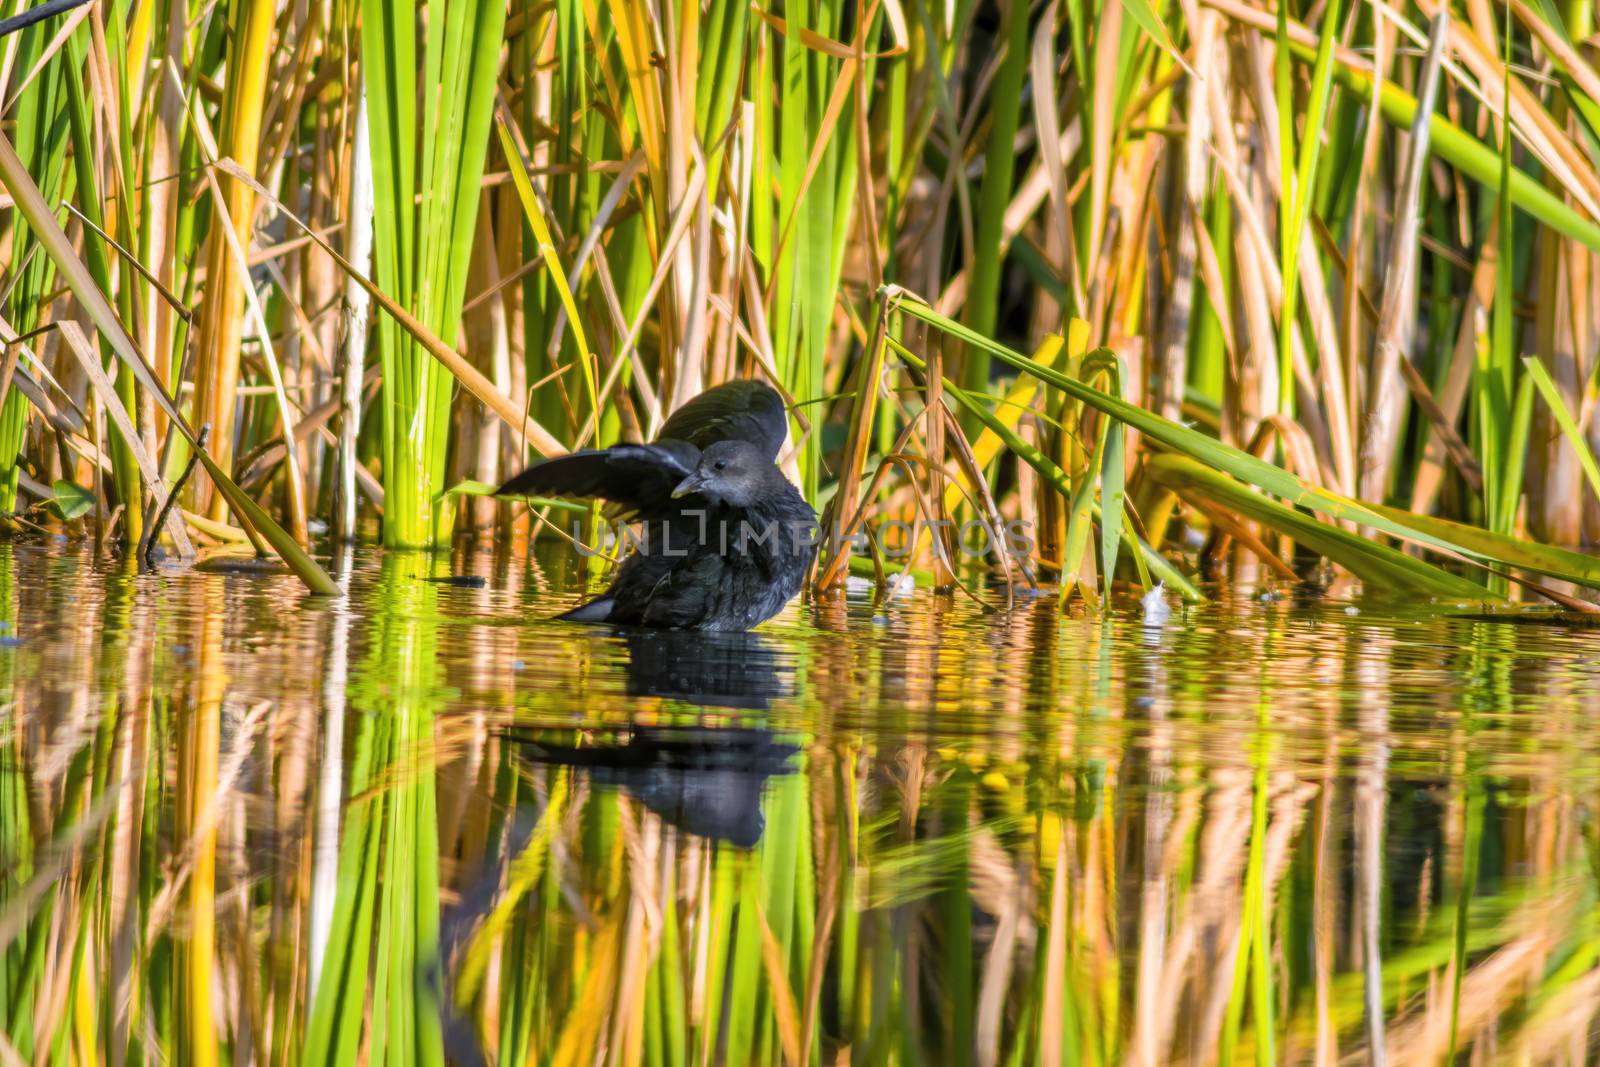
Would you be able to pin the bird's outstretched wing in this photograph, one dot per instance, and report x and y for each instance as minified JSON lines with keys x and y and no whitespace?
{"x":639,"y":478}
{"x":743,"y":410}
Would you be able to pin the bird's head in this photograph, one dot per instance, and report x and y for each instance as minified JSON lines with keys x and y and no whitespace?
{"x":729,"y":472}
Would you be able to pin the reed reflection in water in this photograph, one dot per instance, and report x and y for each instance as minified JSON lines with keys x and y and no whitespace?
{"x":422,"y":825}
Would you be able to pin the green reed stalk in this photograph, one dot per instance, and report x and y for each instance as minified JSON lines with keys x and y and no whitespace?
{"x":38,"y":110}
{"x":795,"y":108}
{"x":124,"y":465}
{"x":1297,"y":176}
{"x":724,"y":46}
{"x":1504,"y":404}
{"x":1005,"y":109}
{"x":1208,"y":361}
{"x":420,"y":251}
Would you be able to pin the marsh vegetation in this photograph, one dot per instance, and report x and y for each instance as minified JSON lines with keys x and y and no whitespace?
{"x":1284,"y":311}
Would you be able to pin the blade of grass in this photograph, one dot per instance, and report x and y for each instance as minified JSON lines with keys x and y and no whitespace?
{"x":1548,"y":560}
{"x":1374,"y":563}
{"x":547,"y":251}
{"x":1563,"y":416}
{"x":1113,"y":469}
{"x":994,"y":194}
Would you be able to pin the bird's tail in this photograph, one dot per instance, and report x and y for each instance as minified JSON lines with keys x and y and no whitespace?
{"x":596,"y":610}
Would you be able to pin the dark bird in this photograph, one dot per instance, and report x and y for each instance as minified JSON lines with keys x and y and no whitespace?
{"x":725,"y":540}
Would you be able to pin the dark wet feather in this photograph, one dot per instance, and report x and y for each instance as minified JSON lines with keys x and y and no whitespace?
{"x":640,"y":478}
{"x":742,"y":410}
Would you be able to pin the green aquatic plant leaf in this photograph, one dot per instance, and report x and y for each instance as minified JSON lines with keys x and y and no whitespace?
{"x":1018,"y":401}
{"x":1113,"y":465}
{"x":470,"y":487}
{"x":1548,"y":560}
{"x":70,"y":500}
{"x":1372,"y":562}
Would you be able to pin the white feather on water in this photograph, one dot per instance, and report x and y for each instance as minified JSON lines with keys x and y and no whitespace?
{"x":1156,"y":608}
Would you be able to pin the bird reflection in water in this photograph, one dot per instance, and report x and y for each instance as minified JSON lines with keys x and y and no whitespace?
{"x":706,"y":780}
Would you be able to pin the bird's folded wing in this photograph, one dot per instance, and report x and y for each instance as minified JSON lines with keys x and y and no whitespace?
{"x":742,"y":410}
{"x":640,"y":478}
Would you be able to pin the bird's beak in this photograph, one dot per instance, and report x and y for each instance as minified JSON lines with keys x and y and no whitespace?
{"x":692,"y":484}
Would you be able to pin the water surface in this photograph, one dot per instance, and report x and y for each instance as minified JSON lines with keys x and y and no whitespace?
{"x":240,"y":825}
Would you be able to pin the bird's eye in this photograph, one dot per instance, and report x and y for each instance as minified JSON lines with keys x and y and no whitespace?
{"x":720,"y":465}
